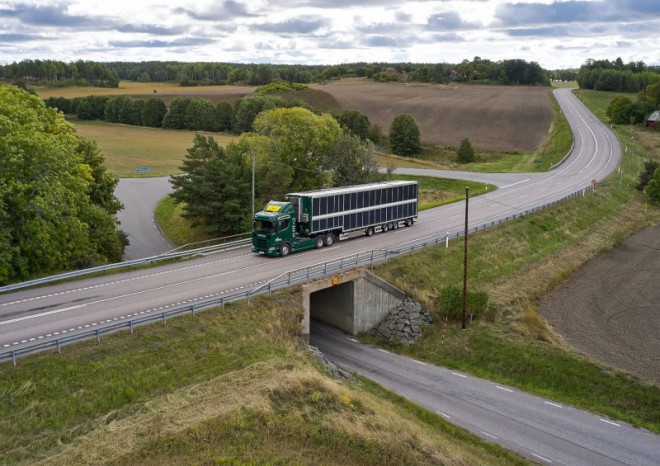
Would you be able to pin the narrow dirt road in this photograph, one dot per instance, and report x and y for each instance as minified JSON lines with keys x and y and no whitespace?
{"x":610,"y":309}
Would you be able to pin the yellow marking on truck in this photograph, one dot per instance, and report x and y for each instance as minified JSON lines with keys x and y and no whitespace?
{"x":273,"y":208}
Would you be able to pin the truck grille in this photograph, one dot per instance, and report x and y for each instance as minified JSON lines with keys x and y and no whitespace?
{"x":260,"y":243}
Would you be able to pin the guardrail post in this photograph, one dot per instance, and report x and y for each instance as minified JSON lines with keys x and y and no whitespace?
{"x":341,"y":264}
{"x":357,"y":258}
{"x":325,"y":270}
{"x":59,"y":349}
{"x":98,"y":336}
{"x":164,"y":318}
{"x":13,"y":357}
{"x":130,"y":325}
{"x":386,"y":255}
{"x":192,"y":309}
{"x":372,"y":259}
{"x":222,"y":302}
{"x":289,"y":281}
{"x":248,"y":297}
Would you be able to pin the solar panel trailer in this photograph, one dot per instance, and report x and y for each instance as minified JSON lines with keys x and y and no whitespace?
{"x":311,"y":219}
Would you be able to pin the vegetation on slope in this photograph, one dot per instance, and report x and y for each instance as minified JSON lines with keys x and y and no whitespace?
{"x":232,"y":386}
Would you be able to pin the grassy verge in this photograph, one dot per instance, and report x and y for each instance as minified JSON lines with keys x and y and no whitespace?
{"x":232,"y":386}
{"x":176,"y":228}
{"x":518,"y":263}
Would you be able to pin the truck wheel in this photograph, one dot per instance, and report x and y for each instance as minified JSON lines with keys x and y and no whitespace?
{"x":409,"y":221}
{"x":319,"y":242}
{"x":370,"y":231}
{"x":329,"y":239}
{"x":395,"y":225}
{"x":285,"y":250}
{"x":386,"y":226}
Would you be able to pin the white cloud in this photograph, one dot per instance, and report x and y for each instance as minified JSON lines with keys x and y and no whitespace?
{"x":554,"y":33}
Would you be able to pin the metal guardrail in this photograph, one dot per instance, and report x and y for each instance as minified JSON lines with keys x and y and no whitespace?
{"x":174,"y":254}
{"x":284,"y":280}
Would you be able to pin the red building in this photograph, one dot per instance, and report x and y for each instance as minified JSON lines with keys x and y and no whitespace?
{"x":654,"y":120}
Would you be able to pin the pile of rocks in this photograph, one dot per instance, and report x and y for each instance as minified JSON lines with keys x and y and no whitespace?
{"x":403,"y":324}
{"x":331,"y":367}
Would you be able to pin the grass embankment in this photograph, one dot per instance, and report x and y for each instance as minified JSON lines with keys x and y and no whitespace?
{"x":233,"y":386}
{"x":518,"y":263}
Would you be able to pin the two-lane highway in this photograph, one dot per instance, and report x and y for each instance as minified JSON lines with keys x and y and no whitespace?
{"x":48,"y":312}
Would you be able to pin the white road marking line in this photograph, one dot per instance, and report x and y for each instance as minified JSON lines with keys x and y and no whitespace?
{"x":542,"y":458}
{"x":505,"y":389}
{"x":383,"y":351}
{"x":488,"y":435}
{"x":513,"y":184}
{"x":352,"y":339}
{"x":460,"y":375}
{"x":443,"y":414}
{"x":419,"y":362}
{"x":610,"y":422}
{"x":553,"y":404}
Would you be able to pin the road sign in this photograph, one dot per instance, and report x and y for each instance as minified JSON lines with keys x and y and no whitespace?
{"x":142,"y":169}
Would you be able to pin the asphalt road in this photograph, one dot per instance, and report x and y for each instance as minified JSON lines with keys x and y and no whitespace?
{"x":540,"y":429}
{"x":50,"y":312}
{"x":140,"y":196}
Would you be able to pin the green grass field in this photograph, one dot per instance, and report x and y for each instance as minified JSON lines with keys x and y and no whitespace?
{"x":129,"y":147}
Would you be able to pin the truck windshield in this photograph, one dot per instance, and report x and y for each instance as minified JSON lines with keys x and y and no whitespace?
{"x":263,"y":226}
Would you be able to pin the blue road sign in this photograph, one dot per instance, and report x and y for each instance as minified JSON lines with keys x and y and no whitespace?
{"x":142,"y":169}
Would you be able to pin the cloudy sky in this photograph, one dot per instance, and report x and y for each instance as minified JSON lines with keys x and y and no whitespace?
{"x":555,"y":33}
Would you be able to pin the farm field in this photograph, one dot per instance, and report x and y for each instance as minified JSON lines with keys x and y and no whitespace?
{"x":129,"y":147}
{"x":500,"y":118}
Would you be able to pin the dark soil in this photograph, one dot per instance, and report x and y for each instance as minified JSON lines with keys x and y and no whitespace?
{"x":500,"y":118}
{"x":610,"y":309}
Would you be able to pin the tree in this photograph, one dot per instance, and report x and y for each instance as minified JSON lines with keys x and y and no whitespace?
{"x":465,"y":153}
{"x":405,"y":136}
{"x":356,"y":123}
{"x":353,"y":161}
{"x":224,"y":115}
{"x":175,"y":116}
{"x":653,"y":189}
{"x":214,"y":187}
{"x":153,"y":112}
{"x":299,"y":141}
{"x":200,"y":116}
{"x":620,"y":109}
{"x":48,"y":219}
{"x":650,"y":166}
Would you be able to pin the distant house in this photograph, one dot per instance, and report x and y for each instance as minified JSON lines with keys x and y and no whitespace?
{"x":654,"y":120}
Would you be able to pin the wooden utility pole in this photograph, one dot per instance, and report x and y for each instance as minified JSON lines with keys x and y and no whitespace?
{"x":465,"y":256}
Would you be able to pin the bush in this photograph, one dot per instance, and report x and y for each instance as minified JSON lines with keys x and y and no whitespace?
{"x":451,"y":303}
{"x":653,"y":189}
{"x":465,"y":152}
{"x":650,"y":166}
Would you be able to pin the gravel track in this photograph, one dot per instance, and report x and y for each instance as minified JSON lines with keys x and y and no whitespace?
{"x":610,"y":309}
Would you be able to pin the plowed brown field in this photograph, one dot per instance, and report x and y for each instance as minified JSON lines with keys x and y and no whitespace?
{"x":501,"y":118}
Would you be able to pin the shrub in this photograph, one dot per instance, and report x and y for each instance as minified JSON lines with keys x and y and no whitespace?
{"x":451,"y":302}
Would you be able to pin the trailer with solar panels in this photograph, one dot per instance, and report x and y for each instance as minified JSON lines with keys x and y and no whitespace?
{"x":314,"y":219}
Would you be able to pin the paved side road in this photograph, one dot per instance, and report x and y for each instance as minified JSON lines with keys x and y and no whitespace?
{"x":140,"y":196}
{"x":542,"y":430}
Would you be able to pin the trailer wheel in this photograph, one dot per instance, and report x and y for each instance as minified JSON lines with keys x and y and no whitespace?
{"x":285,"y":250}
{"x":329,"y":239}
{"x":409,"y":221}
{"x":370,"y":231}
{"x":385,"y":227}
{"x":319,"y":242}
{"x":395,"y":225}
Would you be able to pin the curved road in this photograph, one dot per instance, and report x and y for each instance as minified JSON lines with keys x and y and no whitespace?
{"x":49,"y":312}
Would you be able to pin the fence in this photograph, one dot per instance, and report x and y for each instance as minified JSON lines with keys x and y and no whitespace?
{"x":284,"y":280}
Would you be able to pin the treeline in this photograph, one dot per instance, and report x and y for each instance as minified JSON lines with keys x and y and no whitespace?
{"x":54,"y":73}
{"x":606,"y":75}
{"x":196,"y":74}
{"x":183,"y":113}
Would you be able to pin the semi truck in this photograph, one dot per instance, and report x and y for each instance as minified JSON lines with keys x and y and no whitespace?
{"x":314,"y":219}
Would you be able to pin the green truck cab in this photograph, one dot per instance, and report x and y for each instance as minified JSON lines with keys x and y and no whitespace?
{"x":313,"y":219}
{"x":275,"y":231}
